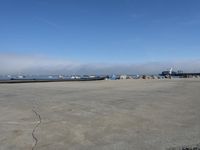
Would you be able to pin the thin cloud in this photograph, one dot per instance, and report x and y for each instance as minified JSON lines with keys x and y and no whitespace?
{"x":12,"y":63}
{"x":47,"y":22}
{"x":191,"y":22}
{"x":24,"y":64}
{"x":136,"y":16}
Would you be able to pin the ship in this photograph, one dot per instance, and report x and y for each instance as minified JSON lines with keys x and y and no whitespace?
{"x":181,"y":74}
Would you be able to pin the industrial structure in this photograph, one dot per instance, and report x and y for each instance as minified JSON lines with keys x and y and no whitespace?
{"x":180,"y":74}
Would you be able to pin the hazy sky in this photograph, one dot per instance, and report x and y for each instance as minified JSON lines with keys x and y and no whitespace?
{"x":85,"y":32}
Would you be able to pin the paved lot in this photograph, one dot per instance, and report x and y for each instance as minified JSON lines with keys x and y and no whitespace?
{"x":100,"y":115}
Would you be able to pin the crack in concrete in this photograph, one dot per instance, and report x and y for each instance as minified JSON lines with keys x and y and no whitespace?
{"x":35,"y":128}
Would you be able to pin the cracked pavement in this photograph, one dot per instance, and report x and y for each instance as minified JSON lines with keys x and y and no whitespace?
{"x":100,"y":115}
{"x":35,"y":128}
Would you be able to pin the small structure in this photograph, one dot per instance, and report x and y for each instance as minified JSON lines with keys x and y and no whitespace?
{"x":75,"y":77}
{"x":114,"y":77}
{"x":61,"y":77}
{"x":21,"y":76}
{"x":123,"y":76}
{"x":154,"y":77}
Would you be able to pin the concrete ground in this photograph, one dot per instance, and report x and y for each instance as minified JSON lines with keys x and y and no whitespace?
{"x":100,"y":115}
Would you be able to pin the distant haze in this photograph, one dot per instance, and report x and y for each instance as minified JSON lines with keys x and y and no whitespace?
{"x":26,"y":64}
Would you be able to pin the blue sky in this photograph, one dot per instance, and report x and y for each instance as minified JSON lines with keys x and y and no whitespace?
{"x":101,"y":31}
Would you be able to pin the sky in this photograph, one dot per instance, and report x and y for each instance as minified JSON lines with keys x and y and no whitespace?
{"x":99,"y":36}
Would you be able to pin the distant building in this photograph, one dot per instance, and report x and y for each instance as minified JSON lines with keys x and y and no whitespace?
{"x":164,"y":73}
{"x":123,"y":76}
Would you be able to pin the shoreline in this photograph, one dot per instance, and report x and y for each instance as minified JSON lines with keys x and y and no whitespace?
{"x":47,"y":80}
{"x":16,"y":81}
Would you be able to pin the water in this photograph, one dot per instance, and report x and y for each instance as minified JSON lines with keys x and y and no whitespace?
{"x":44,"y":77}
{"x":33,"y":77}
